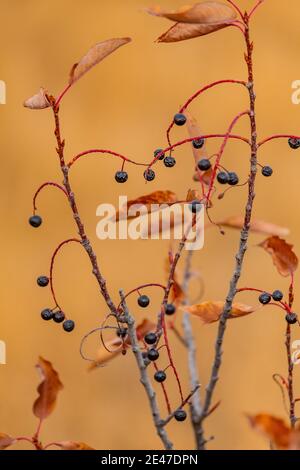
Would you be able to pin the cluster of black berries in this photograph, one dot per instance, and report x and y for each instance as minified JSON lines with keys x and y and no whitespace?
{"x":277,"y":296}
{"x":58,"y":317}
{"x":169,"y":161}
{"x":229,"y":177}
{"x":122,"y":176}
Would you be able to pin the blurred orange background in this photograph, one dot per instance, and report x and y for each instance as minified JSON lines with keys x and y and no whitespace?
{"x":125,"y":104}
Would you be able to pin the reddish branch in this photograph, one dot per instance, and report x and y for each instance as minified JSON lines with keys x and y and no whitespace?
{"x":244,"y":233}
{"x":102,"y":151}
{"x":288,"y":344}
{"x":48,"y":183}
{"x":66,"y":242}
{"x":195,"y":95}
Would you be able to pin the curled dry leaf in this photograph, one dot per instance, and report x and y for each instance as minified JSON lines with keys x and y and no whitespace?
{"x":73,"y":445}
{"x":95,"y":55}
{"x":48,"y":390}
{"x":282,"y":254}
{"x":5,"y":441}
{"x":203,"y":13}
{"x":115,"y":345}
{"x":38,"y":101}
{"x":176,"y":292}
{"x":193,"y":195}
{"x":277,"y":431}
{"x":157,"y":197}
{"x":258,"y":226}
{"x":195,"y":131}
{"x":194,"y":21}
{"x":210,"y":312}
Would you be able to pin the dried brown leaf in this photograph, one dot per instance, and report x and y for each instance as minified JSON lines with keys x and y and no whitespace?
{"x":195,"y":131}
{"x":193,"y":195}
{"x":38,"y":101}
{"x":5,"y":441}
{"x":95,"y":55}
{"x":73,"y":445}
{"x":210,"y":312}
{"x":203,"y":13}
{"x":282,"y":254}
{"x":258,"y":226}
{"x":277,"y":431}
{"x":157,"y":197}
{"x":48,"y":389}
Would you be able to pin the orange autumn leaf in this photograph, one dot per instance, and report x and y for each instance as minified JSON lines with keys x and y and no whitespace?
{"x":210,"y":312}
{"x":204,"y":13}
{"x":282,"y":254}
{"x":157,"y":197}
{"x":258,"y":226}
{"x":193,"y":195}
{"x":114,"y":346}
{"x":95,"y":55}
{"x":5,"y":441}
{"x":48,"y":390}
{"x":194,"y":21}
{"x":38,"y":101}
{"x":176,"y":292}
{"x":73,"y":445}
{"x":277,"y":431}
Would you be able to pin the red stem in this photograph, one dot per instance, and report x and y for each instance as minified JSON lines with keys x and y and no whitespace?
{"x":52,"y":265}
{"x":195,"y":95}
{"x":277,"y":136}
{"x":219,"y":155}
{"x":48,"y":183}
{"x":236,"y":8}
{"x":142,"y":287}
{"x":62,"y":94}
{"x":110,"y":152}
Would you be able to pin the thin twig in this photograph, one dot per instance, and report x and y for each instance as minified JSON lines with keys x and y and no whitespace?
{"x":158,"y":422}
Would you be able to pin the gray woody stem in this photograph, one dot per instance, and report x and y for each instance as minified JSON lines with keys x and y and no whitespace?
{"x":244,"y":234}
{"x":195,"y":403}
{"x":158,"y":422}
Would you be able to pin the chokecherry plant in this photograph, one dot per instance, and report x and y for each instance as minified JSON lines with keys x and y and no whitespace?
{"x":148,"y":340}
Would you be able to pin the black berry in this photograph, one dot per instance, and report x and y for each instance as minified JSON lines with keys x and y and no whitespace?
{"x":267,"y":171}
{"x":149,"y":175}
{"x":277,"y":295}
{"x":170,"y":309}
{"x":291,"y":318}
{"x":35,"y":221}
{"x":223,"y":177}
{"x":294,"y":143}
{"x":169,"y":162}
{"x":59,"y":316}
{"x":160,"y":376}
{"x":153,"y":354}
{"x":150,"y":338}
{"x":265,"y":298}
{"x":122,"y":332}
{"x":159,"y":152}
{"x":179,"y":119}
{"x":204,"y":164}
{"x":121,"y":177}
{"x":195,"y":206}
{"x":233,"y":179}
{"x":198,"y":143}
{"x":47,"y":314}
{"x":143,"y":301}
{"x":180,"y":415}
{"x":68,"y":326}
{"x":42,"y":281}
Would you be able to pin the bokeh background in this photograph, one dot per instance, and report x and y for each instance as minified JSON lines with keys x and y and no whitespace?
{"x":125,"y":104}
